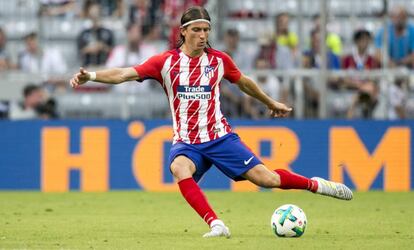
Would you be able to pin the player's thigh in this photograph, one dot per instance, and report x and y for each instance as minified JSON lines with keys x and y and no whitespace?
{"x":232,"y":157}
{"x":262,"y":176}
{"x":182,"y":167}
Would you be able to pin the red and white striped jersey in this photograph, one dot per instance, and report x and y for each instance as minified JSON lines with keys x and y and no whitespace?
{"x":192,"y":85}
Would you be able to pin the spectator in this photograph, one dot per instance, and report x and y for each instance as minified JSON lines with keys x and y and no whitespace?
{"x":85,"y":8}
{"x":112,"y":8}
{"x":139,"y":12}
{"x":47,"y":110}
{"x":146,"y":13}
{"x":276,"y":56}
{"x":34,"y":59}
{"x":400,"y":39}
{"x":284,"y":37}
{"x":5,"y":62}
{"x":57,"y":8}
{"x":242,"y":57}
{"x":33,"y":98}
{"x":109,"y":8}
{"x":360,"y":59}
{"x":333,"y":40}
{"x":133,"y":53}
{"x":271,"y":56}
{"x":267,"y":51}
{"x":312,"y":57}
{"x":172,"y":14}
{"x":232,"y":98}
{"x":397,"y":96}
{"x":4,"y":110}
{"x":95,"y":43}
{"x":270,"y":85}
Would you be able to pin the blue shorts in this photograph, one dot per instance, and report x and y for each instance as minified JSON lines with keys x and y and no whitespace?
{"x":228,"y":153}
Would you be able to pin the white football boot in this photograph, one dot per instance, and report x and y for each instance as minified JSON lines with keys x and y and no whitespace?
{"x":333,"y":189}
{"x":218,"y":229}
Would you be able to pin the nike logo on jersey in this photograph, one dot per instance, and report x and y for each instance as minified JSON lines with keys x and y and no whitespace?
{"x":248,"y":161}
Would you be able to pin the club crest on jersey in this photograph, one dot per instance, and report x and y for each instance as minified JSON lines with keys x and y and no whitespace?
{"x":209,"y":71}
{"x":194,"y":92}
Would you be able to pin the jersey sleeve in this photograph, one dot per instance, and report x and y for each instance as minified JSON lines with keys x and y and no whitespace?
{"x":231,"y":71}
{"x":150,"y":69}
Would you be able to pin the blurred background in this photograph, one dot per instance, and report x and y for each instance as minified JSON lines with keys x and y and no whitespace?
{"x":327,"y":58}
{"x":345,"y":66}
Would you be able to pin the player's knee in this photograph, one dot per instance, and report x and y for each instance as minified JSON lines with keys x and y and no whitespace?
{"x":180,"y":171}
{"x":176,"y":169}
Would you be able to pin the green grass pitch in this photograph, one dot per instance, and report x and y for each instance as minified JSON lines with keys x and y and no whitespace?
{"x":141,"y":220}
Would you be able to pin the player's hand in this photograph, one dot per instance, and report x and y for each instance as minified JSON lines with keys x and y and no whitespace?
{"x":80,"y":78}
{"x":278,"y":109}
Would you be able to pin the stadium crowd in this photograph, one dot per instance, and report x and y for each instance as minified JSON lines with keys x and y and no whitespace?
{"x":143,"y":32}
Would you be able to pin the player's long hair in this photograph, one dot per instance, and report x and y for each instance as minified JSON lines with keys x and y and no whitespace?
{"x":193,"y":13}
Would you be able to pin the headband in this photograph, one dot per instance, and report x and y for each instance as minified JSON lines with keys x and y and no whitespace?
{"x":193,"y":21}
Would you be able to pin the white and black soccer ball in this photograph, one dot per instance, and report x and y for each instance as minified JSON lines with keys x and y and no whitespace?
{"x":288,"y":221}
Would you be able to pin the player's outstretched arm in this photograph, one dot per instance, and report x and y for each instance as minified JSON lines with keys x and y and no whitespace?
{"x":108,"y":76}
{"x":248,"y":86}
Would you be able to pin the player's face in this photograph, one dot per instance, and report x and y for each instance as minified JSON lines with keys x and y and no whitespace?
{"x":196,"y":35}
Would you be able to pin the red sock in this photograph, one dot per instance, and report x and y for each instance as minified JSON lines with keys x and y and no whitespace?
{"x":195,"y":197}
{"x":290,"y":180}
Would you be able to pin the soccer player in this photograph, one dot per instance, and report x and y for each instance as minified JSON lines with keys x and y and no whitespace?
{"x":190,"y":76}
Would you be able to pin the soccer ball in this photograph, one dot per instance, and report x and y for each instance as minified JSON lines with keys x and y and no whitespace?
{"x":288,"y":221}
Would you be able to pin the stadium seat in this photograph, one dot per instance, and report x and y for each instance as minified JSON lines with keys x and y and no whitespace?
{"x":61,"y":29}
{"x":112,"y":105}
{"x":18,"y":28}
{"x":19,"y":8}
